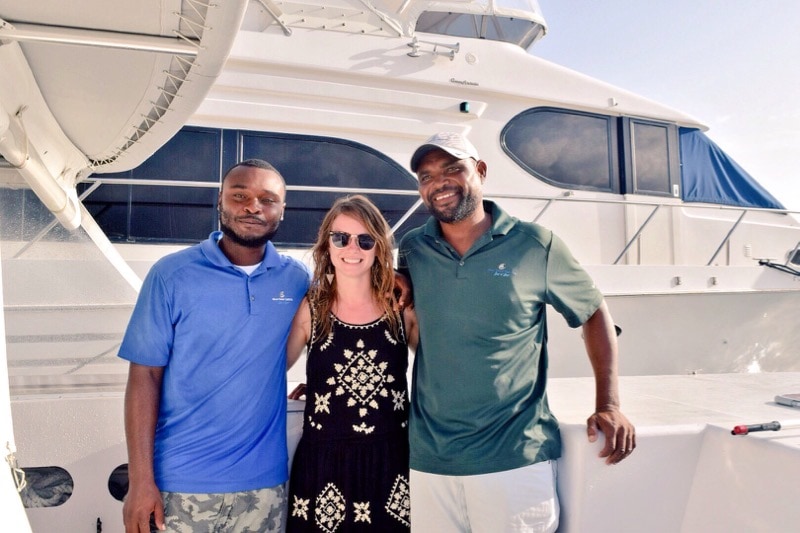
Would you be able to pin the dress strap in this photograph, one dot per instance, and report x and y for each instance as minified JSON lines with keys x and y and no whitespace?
{"x":314,"y":323}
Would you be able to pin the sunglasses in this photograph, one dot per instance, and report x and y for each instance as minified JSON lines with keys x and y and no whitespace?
{"x":340,"y":239}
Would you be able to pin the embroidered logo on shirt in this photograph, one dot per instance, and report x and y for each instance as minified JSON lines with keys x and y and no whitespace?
{"x":282,"y":298}
{"x":502,"y":271}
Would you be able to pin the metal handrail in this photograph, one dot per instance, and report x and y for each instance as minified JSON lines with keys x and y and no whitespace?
{"x":727,"y":237}
{"x":549,"y":201}
{"x":636,"y":235}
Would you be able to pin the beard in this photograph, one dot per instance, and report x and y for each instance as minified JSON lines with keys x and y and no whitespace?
{"x":465,"y":207}
{"x":248,"y":241}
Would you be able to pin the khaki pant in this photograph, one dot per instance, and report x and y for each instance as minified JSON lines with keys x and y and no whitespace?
{"x":519,"y":500}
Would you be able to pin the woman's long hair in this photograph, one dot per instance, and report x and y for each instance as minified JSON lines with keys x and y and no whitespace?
{"x":324,"y":291}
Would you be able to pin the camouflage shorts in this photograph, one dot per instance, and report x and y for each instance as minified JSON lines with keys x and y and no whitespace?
{"x":234,"y":512}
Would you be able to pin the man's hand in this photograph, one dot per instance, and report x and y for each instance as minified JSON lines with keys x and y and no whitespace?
{"x":402,"y":290}
{"x":140,"y":503}
{"x":298,"y":393}
{"x":620,"y":434}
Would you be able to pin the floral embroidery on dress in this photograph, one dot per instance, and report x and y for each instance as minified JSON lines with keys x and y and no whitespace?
{"x":363,"y":428}
{"x":328,"y":340}
{"x":300,"y":507}
{"x":362,"y":512}
{"x":399,"y":400}
{"x":313,"y":424}
{"x":330,"y":508}
{"x":322,"y":403}
{"x":361,"y":378}
{"x":399,"y":503}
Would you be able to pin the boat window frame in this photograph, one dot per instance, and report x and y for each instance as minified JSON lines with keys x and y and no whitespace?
{"x":621,"y":149}
{"x":628,"y":170}
{"x":612,"y":129}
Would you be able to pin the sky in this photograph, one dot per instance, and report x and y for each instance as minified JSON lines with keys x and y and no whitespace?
{"x":732,"y":64}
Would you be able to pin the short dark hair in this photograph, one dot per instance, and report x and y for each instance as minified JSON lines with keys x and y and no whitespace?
{"x":254,"y":163}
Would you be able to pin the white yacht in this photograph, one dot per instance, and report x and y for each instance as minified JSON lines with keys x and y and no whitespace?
{"x":118,"y":120}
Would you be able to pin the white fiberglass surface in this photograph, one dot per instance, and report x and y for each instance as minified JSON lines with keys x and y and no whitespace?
{"x":688,"y":473}
{"x":66,"y":307}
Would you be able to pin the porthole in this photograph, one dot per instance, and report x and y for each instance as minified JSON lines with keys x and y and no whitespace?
{"x":118,"y":482}
{"x":46,"y":486}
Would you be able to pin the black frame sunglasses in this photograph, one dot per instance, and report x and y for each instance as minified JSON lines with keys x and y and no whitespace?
{"x":341,"y":239}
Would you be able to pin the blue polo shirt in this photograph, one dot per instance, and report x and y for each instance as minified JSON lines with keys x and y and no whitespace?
{"x":478,"y":400}
{"x":221,"y":336}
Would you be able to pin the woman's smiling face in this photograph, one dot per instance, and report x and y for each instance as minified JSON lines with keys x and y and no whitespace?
{"x":351,"y":259}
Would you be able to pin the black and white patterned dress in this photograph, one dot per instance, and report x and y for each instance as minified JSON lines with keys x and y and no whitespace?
{"x":350,"y":469}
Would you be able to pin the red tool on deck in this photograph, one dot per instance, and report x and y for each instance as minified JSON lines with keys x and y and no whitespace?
{"x":744,"y":430}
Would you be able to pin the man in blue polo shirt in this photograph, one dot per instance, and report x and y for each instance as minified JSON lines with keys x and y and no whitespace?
{"x":205,"y":405}
{"x":483,"y":440}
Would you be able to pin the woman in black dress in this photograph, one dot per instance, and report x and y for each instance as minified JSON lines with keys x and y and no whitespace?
{"x":350,"y":469}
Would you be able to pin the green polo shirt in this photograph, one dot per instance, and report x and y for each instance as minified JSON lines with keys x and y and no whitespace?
{"x":478,"y":401}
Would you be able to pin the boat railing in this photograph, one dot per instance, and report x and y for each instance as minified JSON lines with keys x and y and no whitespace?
{"x":656,"y":206}
{"x":636,"y":233}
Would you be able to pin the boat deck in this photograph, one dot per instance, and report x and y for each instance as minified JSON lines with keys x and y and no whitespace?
{"x":689,"y":473}
{"x":724,"y":400}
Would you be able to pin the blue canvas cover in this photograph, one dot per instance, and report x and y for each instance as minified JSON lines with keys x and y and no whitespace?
{"x":709,"y":175}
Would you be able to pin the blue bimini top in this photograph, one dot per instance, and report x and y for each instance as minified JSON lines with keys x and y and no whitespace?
{"x":709,"y":175}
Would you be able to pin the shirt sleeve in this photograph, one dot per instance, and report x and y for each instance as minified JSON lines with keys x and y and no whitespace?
{"x":570,"y":289}
{"x":150,"y":333}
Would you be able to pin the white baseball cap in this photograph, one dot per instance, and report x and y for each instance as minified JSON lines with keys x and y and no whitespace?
{"x":454,"y":144}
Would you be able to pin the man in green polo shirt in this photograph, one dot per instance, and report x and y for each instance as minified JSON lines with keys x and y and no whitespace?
{"x":483,"y":439}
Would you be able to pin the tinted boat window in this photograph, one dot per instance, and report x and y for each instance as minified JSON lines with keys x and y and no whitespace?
{"x":569,"y":149}
{"x":650,"y":158}
{"x":188,"y":214}
{"x":164,"y":213}
{"x":325,"y":162}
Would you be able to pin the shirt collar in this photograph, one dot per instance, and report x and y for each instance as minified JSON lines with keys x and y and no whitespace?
{"x":502,"y":222}
{"x":214,"y":253}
